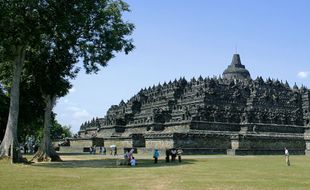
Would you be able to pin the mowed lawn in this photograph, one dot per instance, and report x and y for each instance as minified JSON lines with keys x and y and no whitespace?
{"x":195,"y":172}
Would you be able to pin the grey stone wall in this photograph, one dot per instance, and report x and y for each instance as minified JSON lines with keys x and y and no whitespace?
{"x":120,"y":143}
{"x":271,"y":143}
{"x":87,"y":142}
{"x":202,"y":141}
{"x":159,"y":143}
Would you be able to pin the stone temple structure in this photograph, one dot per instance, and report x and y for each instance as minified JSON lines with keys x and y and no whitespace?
{"x":232,"y":114}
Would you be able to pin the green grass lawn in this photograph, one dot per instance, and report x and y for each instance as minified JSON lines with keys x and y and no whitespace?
{"x":219,"y":172}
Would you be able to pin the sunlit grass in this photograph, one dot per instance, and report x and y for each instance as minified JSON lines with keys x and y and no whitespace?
{"x":99,"y":172}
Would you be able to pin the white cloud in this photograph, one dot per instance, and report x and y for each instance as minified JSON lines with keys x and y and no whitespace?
{"x":73,"y":115}
{"x":72,"y":90}
{"x":66,"y":101}
{"x":303,"y":74}
{"x":81,"y":114}
{"x":73,"y":109}
{"x":78,"y":113}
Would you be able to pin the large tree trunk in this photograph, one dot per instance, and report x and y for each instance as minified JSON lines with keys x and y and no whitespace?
{"x":10,"y":146}
{"x":46,"y":152}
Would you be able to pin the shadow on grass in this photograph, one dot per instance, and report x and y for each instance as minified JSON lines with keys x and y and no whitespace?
{"x":111,"y":163}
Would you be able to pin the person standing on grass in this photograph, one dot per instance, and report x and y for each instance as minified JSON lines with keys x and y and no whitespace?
{"x":173,"y":154}
{"x":155,"y":156}
{"x":126,"y":158}
{"x":287,"y":157}
{"x":167,"y":155}
{"x":115,"y":151}
{"x":94,"y":149}
{"x":179,"y":153}
{"x":104,"y":150}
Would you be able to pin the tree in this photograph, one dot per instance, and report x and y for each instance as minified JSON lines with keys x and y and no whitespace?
{"x":51,"y":67}
{"x":31,"y":108}
{"x":96,"y":32}
{"x":30,"y":118}
{"x":4,"y":107}
{"x":59,"y":132}
{"x":19,"y":30}
{"x":93,"y":31}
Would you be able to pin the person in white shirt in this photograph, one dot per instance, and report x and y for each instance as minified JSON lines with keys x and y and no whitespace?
{"x":287,"y":157}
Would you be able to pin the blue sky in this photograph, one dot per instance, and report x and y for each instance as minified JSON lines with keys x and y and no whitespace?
{"x":176,"y":38}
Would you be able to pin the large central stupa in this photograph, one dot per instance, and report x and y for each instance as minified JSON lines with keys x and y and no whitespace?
{"x":236,"y":70}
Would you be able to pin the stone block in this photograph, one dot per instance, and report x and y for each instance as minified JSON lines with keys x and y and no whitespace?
{"x":231,"y":152}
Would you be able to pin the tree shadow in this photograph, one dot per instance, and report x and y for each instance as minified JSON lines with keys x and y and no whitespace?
{"x":111,"y":163}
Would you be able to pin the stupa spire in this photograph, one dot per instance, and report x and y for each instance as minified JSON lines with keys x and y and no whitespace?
{"x":236,"y":70}
{"x":236,"y":61}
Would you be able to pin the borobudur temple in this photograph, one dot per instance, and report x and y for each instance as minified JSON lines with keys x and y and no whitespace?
{"x":231,"y":114}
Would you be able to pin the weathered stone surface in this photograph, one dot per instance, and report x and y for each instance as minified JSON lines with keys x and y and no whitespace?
{"x":235,"y":113}
{"x":236,"y":70}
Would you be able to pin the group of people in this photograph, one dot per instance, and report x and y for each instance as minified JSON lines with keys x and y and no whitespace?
{"x":178,"y":152}
{"x":93,"y":150}
{"x":30,"y":146}
{"x":173,"y":153}
{"x":129,"y":158}
{"x":113,"y":151}
{"x":102,"y":150}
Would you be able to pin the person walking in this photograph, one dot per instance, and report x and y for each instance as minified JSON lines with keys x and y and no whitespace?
{"x":155,"y":156}
{"x":287,"y":157}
